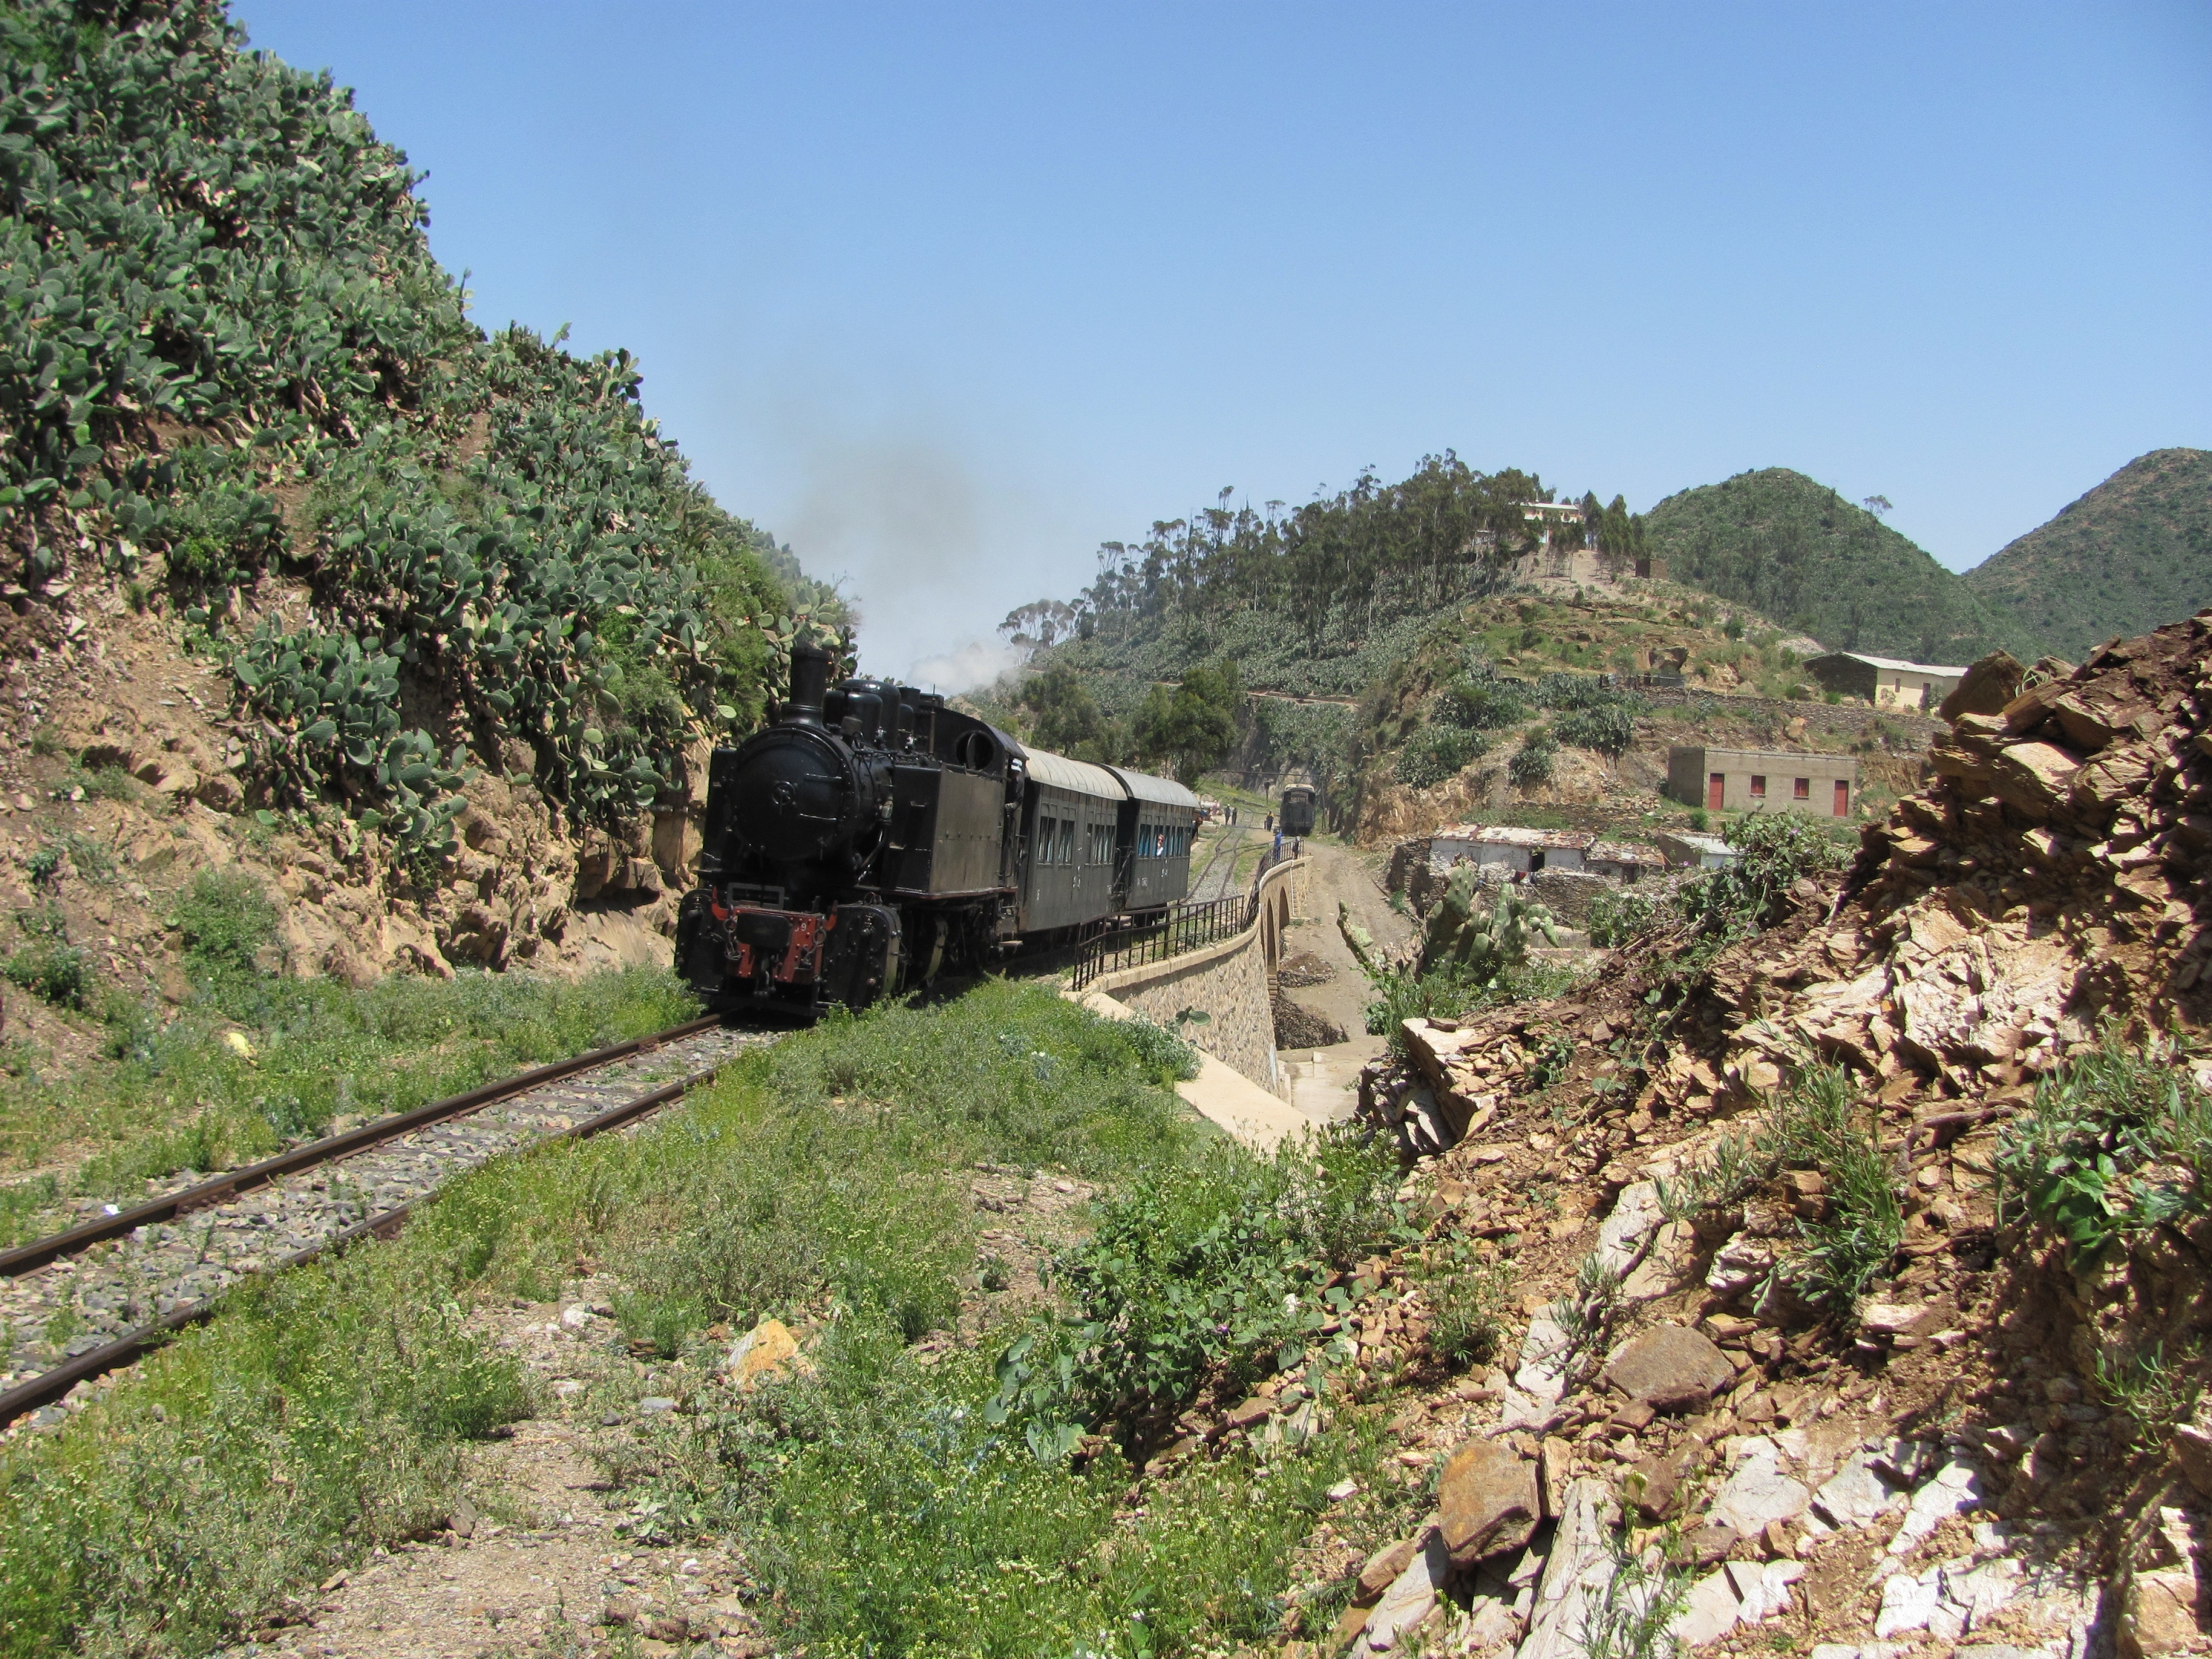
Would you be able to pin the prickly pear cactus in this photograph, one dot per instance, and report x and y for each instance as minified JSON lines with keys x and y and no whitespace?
{"x":1480,"y":943}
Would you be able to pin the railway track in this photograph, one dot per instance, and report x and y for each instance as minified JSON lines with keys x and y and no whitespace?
{"x":1230,"y":842}
{"x":85,"y":1301}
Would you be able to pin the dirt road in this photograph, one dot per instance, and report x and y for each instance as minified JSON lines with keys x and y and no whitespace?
{"x":1323,"y":1081}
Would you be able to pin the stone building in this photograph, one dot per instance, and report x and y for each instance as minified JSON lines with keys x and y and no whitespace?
{"x":1762,"y":779}
{"x":1687,"y":850}
{"x":1508,"y":847}
{"x":1885,"y":682}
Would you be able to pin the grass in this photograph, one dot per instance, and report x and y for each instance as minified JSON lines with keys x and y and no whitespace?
{"x":1814,"y":1123}
{"x":823,"y":1181}
{"x":2156,"y":1395}
{"x":1469,"y":1299}
{"x":1454,"y":989}
{"x":179,"y":1097}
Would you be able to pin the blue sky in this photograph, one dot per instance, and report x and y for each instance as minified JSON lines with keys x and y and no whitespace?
{"x":947,"y":295}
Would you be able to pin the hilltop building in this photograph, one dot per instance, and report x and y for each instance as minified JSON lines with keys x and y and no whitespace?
{"x":1762,"y":779}
{"x":1885,"y":682}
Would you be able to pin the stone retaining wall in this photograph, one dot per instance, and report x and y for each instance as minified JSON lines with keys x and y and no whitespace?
{"x":1231,"y":982}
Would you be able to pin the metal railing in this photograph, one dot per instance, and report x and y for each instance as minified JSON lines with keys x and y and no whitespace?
{"x":1184,"y":927}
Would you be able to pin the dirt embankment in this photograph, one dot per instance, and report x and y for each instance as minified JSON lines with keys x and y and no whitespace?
{"x":122,"y":773}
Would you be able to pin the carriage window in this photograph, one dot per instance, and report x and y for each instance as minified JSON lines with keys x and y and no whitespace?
{"x":1044,"y":839}
{"x":1102,"y":844}
{"x":1066,"y":854}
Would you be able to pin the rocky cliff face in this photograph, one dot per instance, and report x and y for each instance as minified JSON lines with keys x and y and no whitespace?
{"x":1987,"y":1429}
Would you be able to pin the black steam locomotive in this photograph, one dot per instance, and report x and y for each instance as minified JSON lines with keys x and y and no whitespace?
{"x":871,"y":837}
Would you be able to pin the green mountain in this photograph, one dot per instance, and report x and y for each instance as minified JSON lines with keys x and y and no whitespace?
{"x":230,"y":369}
{"x":2134,"y":553}
{"x":1796,"y":551}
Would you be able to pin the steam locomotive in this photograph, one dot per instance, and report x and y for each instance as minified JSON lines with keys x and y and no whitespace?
{"x":871,"y":837}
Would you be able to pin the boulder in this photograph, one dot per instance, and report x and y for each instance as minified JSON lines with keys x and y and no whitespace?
{"x":767,"y":1353}
{"x":1670,"y":1368}
{"x":1758,"y":1492}
{"x":1381,"y":1570}
{"x":1894,"y":1318}
{"x":1651,"y":1488}
{"x":1986,"y":687}
{"x":2034,"y":777}
{"x":2191,"y":1448}
{"x":1412,"y":1595}
{"x":2159,"y":1615}
{"x":1487,"y":1501}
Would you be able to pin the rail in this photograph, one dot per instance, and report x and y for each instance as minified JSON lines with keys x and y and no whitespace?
{"x":1185,"y":927}
{"x":51,"y":1384}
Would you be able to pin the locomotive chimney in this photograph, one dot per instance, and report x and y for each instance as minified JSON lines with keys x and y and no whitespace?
{"x":810,"y":679}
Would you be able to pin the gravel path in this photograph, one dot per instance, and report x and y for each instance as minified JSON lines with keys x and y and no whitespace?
{"x":71,"y":1306}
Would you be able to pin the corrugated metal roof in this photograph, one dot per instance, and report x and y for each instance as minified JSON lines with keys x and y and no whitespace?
{"x":1893,"y":663}
{"x":1080,"y":776}
{"x":1614,"y":852}
{"x":1166,"y":792}
{"x":1509,"y":835}
{"x":1704,"y":843}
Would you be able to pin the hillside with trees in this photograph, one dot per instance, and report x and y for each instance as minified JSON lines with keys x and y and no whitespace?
{"x":1796,"y":550}
{"x":236,"y":386}
{"x":2132,"y":555}
{"x":1312,"y":605}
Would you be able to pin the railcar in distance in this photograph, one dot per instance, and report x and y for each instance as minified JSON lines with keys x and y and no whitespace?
{"x":1297,"y":816}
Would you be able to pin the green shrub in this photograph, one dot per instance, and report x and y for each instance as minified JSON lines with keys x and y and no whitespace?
{"x":1616,"y":917}
{"x":1470,"y":1301}
{"x":2116,"y":1141}
{"x":1570,"y":691}
{"x":227,"y":921}
{"x":1532,"y":762}
{"x":1454,"y":989}
{"x":52,"y":970}
{"x":1479,"y":704}
{"x":1212,"y":1267}
{"x":1607,"y":728}
{"x":1814,"y":1123}
{"x":1161,"y":1051}
{"x":1437,"y":752}
{"x":1774,"y":851}
{"x":221,"y":535}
